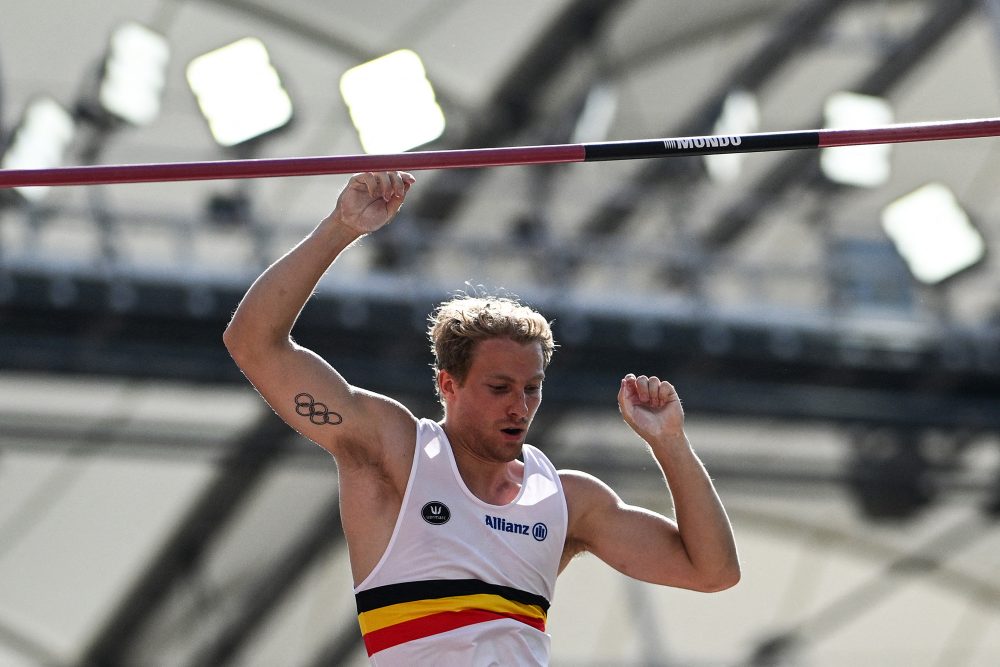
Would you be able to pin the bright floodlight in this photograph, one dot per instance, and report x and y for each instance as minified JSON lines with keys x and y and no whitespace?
{"x":740,"y":115}
{"x":135,"y":74}
{"x":932,"y":233}
{"x":865,"y":166}
{"x":392,"y":104}
{"x":40,"y":141}
{"x":594,"y":122}
{"x":239,"y":92}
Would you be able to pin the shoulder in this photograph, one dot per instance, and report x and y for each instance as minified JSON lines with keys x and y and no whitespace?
{"x":385,"y":418}
{"x":585,"y":492}
{"x":389,"y":433}
{"x":582,"y":482}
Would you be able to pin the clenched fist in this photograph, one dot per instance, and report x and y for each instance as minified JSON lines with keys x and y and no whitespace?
{"x":370,"y":200}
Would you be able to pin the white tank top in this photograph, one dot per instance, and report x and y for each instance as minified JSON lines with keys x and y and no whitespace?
{"x":464,"y":583}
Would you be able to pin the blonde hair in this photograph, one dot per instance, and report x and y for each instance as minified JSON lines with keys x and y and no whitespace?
{"x":457,"y":325}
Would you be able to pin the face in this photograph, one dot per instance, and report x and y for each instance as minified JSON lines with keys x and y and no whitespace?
{"x":489,"y":413}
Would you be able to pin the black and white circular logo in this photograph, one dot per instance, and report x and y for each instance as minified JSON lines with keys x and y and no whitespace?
{"x":435,"y":513}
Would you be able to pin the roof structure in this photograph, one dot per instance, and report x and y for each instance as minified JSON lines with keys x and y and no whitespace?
{"x":153,"y":511}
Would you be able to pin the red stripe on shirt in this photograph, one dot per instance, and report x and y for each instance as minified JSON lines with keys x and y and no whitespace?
{"x":433,"y":624}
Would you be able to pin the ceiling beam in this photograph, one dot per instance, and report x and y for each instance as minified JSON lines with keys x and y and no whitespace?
{"x":511,"y":109}
{"x":801,"y":167}
{"x":788,"y":370}
{"x":795,"y":32}
{"x":275,"y":585}
{"x":928,"y":558}
{"x":257,"y":451}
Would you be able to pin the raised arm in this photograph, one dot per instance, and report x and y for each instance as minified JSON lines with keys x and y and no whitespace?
{"x":696,"y":550}
{"x":308,"y":393}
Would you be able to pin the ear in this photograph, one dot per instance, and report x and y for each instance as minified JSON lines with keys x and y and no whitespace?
{"x":446,"y":384}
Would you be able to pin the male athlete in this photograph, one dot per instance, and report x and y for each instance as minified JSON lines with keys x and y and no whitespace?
{"x":456,"y":529}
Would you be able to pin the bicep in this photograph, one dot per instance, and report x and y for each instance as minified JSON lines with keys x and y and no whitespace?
{"x":635,"y":541}
{"x":314,"y":399}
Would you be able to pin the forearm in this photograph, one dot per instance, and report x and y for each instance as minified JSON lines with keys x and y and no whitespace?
{"x":271,"y":306}
{"x":701,"y":519}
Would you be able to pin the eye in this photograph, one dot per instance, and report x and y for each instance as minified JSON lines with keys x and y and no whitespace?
{"x":498,"y":388}
{"x":533,"y":389}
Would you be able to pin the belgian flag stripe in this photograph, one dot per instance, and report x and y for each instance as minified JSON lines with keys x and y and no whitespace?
{"x":426,"y":626}
{"x":398,"y":613}
{"x":432,"y":589}
{"x":377,"y":619}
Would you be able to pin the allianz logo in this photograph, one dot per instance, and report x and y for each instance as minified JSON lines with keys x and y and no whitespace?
{"x":539,"y":531}
{"x":703,"y":142}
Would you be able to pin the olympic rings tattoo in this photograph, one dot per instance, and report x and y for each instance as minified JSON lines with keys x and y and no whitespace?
{"x":318,"y":413}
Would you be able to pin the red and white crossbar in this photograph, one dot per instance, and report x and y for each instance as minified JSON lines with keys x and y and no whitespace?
{"x":498,"y":157}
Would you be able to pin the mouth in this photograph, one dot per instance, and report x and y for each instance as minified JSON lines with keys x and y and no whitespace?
{"x":513,"y":432}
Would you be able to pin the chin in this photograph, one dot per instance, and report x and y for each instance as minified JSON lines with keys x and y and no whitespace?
{"x":510,"y":451}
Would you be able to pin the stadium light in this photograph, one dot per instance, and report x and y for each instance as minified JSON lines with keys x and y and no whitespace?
{"x":239,"y":92}
{"x":134,"y":74}
{"x":863,"y":166}
{"x":933,"y":233}
{"x":597,"y":115}
{"x":40,"y":141}
{"x":740,"y":115}
{"x":392,"y":104}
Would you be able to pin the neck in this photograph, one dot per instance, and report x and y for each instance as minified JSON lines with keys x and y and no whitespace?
{"x":494,"y":482}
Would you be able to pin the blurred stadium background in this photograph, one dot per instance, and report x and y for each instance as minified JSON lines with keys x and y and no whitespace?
{"x":845,"y":397}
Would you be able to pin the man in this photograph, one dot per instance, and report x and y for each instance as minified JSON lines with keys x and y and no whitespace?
{"x":457,"y":529}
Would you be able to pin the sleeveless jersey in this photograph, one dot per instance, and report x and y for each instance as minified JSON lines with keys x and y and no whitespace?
{"x":463,"y":582}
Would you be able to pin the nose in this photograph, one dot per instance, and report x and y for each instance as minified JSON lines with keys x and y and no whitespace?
{"x":519,"y":405}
